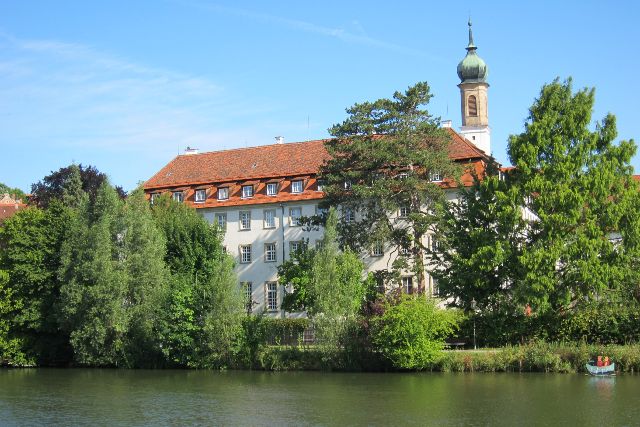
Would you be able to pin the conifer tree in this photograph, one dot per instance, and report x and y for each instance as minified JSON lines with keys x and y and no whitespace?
{"x":384,"y":157}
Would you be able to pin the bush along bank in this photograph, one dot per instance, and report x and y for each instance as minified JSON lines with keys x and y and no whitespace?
{"x":538,"y":356}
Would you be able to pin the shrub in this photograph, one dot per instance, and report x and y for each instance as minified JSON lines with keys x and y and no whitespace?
{"x":411,"y":333}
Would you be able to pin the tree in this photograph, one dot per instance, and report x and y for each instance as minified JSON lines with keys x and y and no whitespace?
{"x":14,"y":192}
{"x":411,"y":332}
{"x":31,"y":241}
{"x":583,"y":244}
{"x":384,"y":157}
{"x":297,"y":272}
{"x":93,"y":297}
{"x":64,"y":181}
{"x":204,"y":307}
{"x":481,"y":236}
{"x":143,"y":249}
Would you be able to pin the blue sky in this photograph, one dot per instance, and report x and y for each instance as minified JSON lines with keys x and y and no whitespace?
{"x":126,"y":86}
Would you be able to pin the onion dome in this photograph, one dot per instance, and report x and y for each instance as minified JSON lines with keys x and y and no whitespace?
{"x":472,"y":69}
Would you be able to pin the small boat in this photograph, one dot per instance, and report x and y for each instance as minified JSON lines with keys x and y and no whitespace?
{"x":600,"y":370}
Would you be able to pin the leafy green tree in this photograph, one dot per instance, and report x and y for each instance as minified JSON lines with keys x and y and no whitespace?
{"x":297,"y":272}
{"x":411,"y":332}
{"x":384,"y":157}
{"x":31,"y":241}
{"x":481,"y":236}
{"x":583,"y":245}
{"x":204,"y":308}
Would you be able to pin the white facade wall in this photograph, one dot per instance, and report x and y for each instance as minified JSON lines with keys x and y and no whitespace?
{"x":260,"y":271}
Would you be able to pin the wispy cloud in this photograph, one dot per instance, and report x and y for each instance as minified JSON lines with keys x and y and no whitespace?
{"x":358,"y":37}
{"x":71,"y":95}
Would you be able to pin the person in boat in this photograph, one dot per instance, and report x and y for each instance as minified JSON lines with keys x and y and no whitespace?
{"x":606,"y":361}
{"x":599,"y":362}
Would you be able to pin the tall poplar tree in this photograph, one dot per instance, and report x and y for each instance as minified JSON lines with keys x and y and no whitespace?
{"x":384,"y":157}
{"x":93,"y":296}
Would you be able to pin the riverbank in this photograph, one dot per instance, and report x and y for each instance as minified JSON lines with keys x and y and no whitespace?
{"x":534,"y":357}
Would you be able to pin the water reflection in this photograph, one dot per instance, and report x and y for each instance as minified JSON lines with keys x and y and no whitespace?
{"x":119,"y":397}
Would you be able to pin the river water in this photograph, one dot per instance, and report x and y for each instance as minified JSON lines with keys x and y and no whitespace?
{"x":130,"y":397}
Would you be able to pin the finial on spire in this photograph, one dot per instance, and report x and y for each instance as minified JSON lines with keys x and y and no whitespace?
{"x":471,"y":45}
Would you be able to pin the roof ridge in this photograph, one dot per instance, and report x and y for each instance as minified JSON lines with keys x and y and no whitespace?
{"x":253,"y":147}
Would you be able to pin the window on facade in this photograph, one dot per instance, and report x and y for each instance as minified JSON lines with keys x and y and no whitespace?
{"x":296,"y":186}
{"x":407,"y":285}
{"x":347,"y":185}
{"x":272,"y":189}
{"x":320,"y":184}
{"x":245,"y":220}
{"x":223,"y":193}
{"x":247,"y":287}
{"x":245,"y":254}
{"x":221,"y":220}
{"x":270,"y":252}
{"x":403,"y":211}
{"x":435,"y":176}
{"x":247,"y":191}
{"x":270,"y":218}
{"x":473,"y":107}
{"x":403,"y":175}
{"x":320,"y":211}
{"x":294,"y":216}
{"x":348,"y":215}
{"x":405,"y":250}
{"x":272,"y":296}
{"x":377,"y":249}
{"x":295,"y":246}
{"x":178,"y":196}
{"x":433,"y":243}
{"x":154,"y":197}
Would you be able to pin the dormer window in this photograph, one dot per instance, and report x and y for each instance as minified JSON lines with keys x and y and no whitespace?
{"x":247,"y":191}
{"x":201,"y":196}
{"x":272,"y":189}
{"x":223,"y":193}
{"x":178,"y":196}
{"x":296,"y":186}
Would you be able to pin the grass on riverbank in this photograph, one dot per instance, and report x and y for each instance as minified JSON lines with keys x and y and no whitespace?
{"x":538,"y":357}
{"x":535,"y":357}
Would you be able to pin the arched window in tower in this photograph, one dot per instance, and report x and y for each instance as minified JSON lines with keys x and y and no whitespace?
{"x":472,"y":106}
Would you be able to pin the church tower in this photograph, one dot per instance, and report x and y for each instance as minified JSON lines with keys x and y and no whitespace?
{"x":473,"y":72}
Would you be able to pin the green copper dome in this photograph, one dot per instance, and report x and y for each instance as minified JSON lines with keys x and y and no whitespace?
{"x":472,"y":69}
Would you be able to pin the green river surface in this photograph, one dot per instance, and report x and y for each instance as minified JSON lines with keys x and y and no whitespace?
{"x":172,"y":397}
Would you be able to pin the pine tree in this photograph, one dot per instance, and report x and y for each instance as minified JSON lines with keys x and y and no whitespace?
{"x":383,"y":159}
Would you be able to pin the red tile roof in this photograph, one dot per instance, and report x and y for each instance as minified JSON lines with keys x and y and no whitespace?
{"x":267,"y":161}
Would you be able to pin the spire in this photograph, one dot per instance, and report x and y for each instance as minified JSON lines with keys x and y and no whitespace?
{"x":471,"y":45}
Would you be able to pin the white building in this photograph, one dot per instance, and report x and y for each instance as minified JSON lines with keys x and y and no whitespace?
{"x":258,"y":193}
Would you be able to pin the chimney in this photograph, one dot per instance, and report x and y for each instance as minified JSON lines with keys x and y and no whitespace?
{"x":189,"y":151}
{"x":445,"y":123}
{"x":279,"y":139}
